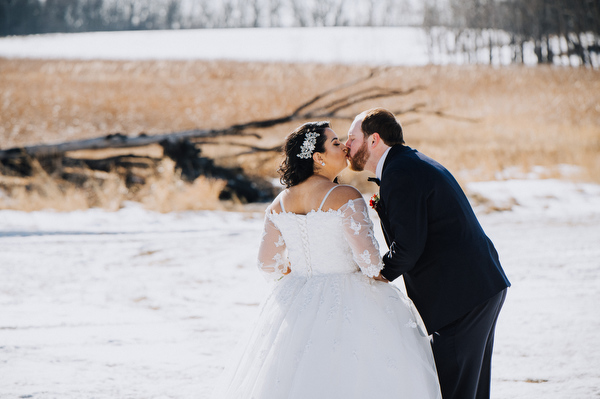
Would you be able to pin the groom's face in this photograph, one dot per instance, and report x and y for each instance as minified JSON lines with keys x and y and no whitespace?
{"x":358,"y":151}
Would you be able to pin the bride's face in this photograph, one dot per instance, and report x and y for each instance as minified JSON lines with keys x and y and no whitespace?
{"x":335,"y":155}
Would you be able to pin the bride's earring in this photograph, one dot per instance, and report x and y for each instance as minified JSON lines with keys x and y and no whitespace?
{"x":323,"y":163}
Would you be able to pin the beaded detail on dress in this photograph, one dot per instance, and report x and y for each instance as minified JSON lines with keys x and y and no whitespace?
{"x":320,"y":242}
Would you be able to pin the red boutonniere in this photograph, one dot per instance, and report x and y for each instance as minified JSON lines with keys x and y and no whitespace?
{"x":374,"y":202}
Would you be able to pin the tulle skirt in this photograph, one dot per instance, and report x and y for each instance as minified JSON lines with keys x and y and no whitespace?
{"x":333,"y":336}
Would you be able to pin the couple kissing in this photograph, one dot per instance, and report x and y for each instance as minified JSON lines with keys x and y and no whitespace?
{"x":331,"y":325}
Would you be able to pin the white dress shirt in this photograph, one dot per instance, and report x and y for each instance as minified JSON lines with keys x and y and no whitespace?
{"x":379,"y":169}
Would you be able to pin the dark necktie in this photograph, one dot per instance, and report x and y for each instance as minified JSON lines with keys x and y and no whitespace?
{"x":374,"y":180}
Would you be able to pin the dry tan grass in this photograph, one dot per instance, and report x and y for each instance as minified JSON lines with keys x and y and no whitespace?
{"x":512,"y":117}
{"x":164,"y":192}
{"x":168,"y":192}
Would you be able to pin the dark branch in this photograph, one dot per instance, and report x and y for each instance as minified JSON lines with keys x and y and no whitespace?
{"x":326,"y":93}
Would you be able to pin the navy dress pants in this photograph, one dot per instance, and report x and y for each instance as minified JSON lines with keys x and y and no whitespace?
{"x":463,"y":351}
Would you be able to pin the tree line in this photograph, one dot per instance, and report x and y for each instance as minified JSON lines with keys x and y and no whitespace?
{"x":551,"y":28}
{"x":476,"y":30}
{"x":22,"y":17}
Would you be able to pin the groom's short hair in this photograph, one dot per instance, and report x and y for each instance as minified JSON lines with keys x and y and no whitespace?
{"x":383,"y":122}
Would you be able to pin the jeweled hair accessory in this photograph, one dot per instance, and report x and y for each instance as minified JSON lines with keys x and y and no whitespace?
{"x":308,"y":146}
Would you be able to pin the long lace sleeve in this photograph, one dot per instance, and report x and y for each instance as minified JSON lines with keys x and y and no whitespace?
{"x":358,"y":229}
{"x":272,"y":254}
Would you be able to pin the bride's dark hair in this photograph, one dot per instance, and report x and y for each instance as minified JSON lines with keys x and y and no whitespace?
{"x":294,"y":170}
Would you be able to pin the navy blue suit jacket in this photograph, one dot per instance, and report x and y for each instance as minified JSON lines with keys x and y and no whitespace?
{"x":435,"y":241}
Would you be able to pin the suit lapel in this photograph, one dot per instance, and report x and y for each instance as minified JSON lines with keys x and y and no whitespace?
{"x":383,"y":220}
{"x":381,"y":211}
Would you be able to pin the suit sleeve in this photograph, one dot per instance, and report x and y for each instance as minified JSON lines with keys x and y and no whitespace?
{"x":405,"y":198}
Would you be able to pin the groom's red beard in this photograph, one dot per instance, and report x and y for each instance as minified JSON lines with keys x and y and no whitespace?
{"x":359,"y":160}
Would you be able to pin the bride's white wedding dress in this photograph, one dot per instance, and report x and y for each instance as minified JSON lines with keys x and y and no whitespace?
{"x":327,"y":330}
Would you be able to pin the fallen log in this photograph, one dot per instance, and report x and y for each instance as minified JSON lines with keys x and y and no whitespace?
{"x":116,"y":140}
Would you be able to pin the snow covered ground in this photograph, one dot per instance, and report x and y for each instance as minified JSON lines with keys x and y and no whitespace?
{"x":345,"y":45}
{"x":136,"y":304}
{"x":395,"y":46}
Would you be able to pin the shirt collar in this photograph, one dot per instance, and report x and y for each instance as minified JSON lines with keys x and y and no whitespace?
{"x":379,"y":170}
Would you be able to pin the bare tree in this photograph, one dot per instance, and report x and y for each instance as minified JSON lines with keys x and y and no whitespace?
{"x":172,"y":15}
{"x":300,"y":12}
{"x":274,"y":9}
{"x":327,"y":12}
{"x":546,"y":24}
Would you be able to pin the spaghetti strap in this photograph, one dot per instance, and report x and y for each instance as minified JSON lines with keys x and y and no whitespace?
{"x":281,"y":204}
{"x":326,"y":195}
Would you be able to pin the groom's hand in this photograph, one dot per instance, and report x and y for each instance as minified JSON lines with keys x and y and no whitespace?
{"x":379,"y":277}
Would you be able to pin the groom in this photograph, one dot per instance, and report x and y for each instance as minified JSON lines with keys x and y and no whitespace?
{"x":450,"y":267}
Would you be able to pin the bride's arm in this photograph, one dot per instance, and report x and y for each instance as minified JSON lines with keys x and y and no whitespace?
{"x":358,"y":230}
{"x":272,"y":255}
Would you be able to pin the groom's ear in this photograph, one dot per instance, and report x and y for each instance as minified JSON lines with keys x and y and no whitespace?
{"x":374,"y":140}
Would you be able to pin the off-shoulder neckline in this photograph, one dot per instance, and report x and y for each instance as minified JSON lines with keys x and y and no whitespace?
{"x":313,"y":211}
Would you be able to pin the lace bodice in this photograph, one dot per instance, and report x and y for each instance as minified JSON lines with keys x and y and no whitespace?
{"x":320,"y":242}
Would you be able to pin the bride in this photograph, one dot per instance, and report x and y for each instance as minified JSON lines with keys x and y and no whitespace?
{"x":331,"y":327}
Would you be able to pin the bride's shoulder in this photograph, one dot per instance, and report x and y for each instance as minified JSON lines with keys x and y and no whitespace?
{"x":275,"y":206}
{"x":342,"y":195}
